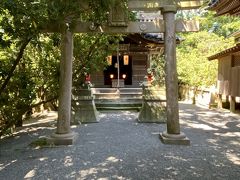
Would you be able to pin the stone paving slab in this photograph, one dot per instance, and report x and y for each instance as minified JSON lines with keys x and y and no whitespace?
{"x":118,"y":147}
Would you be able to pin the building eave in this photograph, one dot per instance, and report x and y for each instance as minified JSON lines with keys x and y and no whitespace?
{"x":222,"y":7}
{"x":235,"y":34}
{"x":226,"y":52}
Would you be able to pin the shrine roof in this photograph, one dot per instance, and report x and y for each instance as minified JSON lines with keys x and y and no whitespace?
{"x":230,"y":7}
{"x":156,"y":39}
{"x":232,"y":50}
{"x":144,"y":42}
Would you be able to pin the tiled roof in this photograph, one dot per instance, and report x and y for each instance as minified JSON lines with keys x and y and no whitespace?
{"x":157,"y":37}
{"x":231,"y":7}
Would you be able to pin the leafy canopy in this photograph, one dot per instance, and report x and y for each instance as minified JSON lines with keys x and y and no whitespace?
{"x":193,"y":66}
{"x":29,"y":60}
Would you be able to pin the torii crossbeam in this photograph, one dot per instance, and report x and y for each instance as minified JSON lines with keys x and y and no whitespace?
{"x":169,"y":26}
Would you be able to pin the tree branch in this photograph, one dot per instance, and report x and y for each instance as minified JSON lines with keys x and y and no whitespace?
{"x":43,"y":102}
{"x":16,"y":62}
{"x":90,"y":51}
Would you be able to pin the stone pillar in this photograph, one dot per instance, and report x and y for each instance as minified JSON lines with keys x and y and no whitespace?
{"x":232,"y":104}
{"x":173,"y":134}
{"x":63,"y":135}
{"x":154,"y":105}
{"x":83,"y":107}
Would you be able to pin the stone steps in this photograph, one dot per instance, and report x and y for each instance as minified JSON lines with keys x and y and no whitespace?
{"x":117,"y":99}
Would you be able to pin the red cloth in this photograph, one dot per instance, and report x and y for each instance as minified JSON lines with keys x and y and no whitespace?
{"x":88,"y":78}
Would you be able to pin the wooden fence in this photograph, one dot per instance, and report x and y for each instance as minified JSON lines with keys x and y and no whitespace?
{"x":202,"y":96}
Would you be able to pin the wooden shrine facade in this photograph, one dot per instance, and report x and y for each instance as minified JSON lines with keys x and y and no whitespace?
{"x":135,"y":54}
{"x":228,"y":82}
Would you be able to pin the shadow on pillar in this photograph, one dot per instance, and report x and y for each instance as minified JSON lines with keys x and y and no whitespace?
{"x":83,"y":107}
{"x":154,"y":106}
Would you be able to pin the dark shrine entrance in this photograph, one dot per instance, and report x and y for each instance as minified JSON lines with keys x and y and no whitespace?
{"x":125,"y":70}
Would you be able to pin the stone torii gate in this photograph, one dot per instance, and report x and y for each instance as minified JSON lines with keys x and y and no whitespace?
{"x":119,"y":24}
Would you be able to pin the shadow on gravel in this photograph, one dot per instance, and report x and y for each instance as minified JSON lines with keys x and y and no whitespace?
{"x":118,"y":147}
{"x":213,"y":128}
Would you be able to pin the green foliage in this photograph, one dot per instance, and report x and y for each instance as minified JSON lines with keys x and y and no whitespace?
{"x":15,"y":100}
{"x":90,"y":52}
{"x":193,"y":66}
{"x":35,"y":79}
{"x":43,"y":61}
{"x":22,"y":19}
{"x":220,"y":25}
{"x":158,"y":66}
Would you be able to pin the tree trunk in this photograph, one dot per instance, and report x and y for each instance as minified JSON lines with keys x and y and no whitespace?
{"x":16,"y":62}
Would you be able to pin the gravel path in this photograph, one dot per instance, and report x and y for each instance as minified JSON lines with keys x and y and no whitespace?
{"x":120,"y":148}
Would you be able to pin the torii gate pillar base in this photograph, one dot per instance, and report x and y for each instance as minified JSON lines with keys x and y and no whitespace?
{"x":62,"y":139}
{"x":177,"y":139}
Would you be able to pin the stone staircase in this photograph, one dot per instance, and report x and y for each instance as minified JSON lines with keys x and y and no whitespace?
{"x":117,"y":99}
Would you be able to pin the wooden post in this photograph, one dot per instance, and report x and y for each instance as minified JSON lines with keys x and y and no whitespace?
{"x":63,"y":135}
{"x":173,"y":134}
{"x":219,"y":100}
{"x":232,"y":104}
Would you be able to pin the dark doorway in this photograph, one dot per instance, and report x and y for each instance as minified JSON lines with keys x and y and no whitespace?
{"x":111,"y":71}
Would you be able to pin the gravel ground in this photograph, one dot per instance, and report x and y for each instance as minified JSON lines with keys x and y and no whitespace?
{"x":118,"y":147}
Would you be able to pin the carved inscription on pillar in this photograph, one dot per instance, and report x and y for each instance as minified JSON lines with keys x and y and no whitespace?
{"x":118,"y":16}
